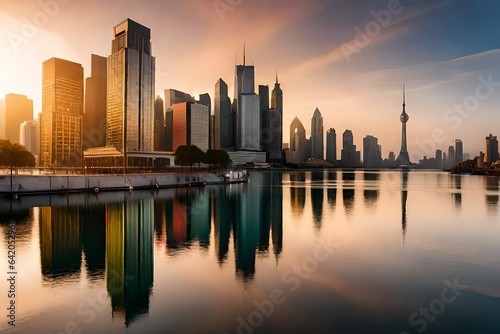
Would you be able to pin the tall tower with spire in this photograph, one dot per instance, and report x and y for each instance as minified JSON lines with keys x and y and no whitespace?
{"x":403,"y":158}
{"x":276,"y":124}
{"x":317,"y":135}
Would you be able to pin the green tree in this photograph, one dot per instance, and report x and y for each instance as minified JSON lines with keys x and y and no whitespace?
{"x":188,"y":155}
{"x":15,"y":155}
{"x":217,"y":158}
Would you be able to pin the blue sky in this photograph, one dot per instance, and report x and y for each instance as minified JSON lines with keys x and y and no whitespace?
{"x":443,"y":50}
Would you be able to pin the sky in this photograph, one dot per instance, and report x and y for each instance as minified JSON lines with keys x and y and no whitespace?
{"x":347,"y":58}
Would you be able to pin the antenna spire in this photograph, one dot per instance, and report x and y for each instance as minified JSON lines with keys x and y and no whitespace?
{"x":404,"y":94}
{"x":276,"y":76}
{"x":244,"y":54}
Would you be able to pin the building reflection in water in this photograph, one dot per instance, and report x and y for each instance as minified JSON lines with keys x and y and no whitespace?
{"x":331,"y":191}
{"x":22,"y":217}
{"x":348,"y":191}
{"x":491,"y":184}
{"x":371,"y":191}
{"x":404,"y":198}
{"x":456,"y":186}
{"x":129,"y":249}
{"x":317,"y":197}
{"x":60,"y":244}
{"x":93,"y":231}
{"x":297,"y":192}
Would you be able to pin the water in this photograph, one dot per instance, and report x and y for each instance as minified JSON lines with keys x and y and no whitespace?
{"x":299,"y":252}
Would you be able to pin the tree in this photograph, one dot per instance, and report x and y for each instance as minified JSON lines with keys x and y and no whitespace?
{"x":217,"y":158}
{"x":188,"y":155}
{"x":15,"y":155}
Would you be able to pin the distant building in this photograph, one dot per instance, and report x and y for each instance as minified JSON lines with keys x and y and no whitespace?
{"x":224,"y":119}
{"x":371,"y":152}
{"x":348,"y":154}
{"x":331,"y":146}
{"x":317,"y":131}
{"x":264,"y":117}
{"x":459,"y":151}
{"x":131,"y":90}
{"x":159,"y":125}
{"x":172,"y":97}
{"x":439,"y":159}
{"x":94,"y":118}
{"x":2,"y":117}
{"x":297,"y":153}
{"x":249,"y":123}
{"x":491,"y":150}
{"x":61,"y":120}
{"x":275,"y":153}
{"x":30,"y":136}
{"x":451,"y":156}
{"x":18,"y":108}
{"x":190,"y":125}
{"x":403,"y":158}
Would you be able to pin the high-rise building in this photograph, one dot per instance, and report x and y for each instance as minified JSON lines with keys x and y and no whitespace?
{"x":18,"y":108}
{"x":224,"y":123}
{"x":297,"y":153}
{"x":131,"y":85}
{"x":451,"y":156}
{"x":30,"y":136}
{"x":331,"y":146}
{"x":264,"y":117}
{"x":61,"y":120}
{"x":207,"y":101}
{"x":190,"y":125}
{"x":94,"y":119}
{"x":276,"y":124}
{"x":2,"y":117}
{"x":173,"y":96}
{"x":439,"y":159}
{"x":372,"y":157}
{"x":459,"y":150}
{"x":159,"y":125}
{"x":246,"y":105}
{"x":491,"y":152}
{"x":317,"y":135}
{"x":348,"y":154}
{"x":403,"y":158}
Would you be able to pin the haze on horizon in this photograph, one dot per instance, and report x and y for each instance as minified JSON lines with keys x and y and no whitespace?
{"x":348,"y":59}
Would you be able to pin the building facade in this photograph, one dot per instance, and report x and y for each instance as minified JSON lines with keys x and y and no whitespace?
{"x":317,"y":148}
{"x":372,"y":157}
{"x":298,"y":150}
{"x":331,"y":146}
{"x":190,"y":125}
{"x":159,"y":125}
{"x":61,"y":120}
{"x":491,"y":150}
{"x":94,"y":118}
{"x":29,"y":136}
{"x":18,"y":108}
{"x":223,"y":122}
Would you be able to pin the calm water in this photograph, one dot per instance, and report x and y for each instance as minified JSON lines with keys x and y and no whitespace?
{"x":302,"y":252}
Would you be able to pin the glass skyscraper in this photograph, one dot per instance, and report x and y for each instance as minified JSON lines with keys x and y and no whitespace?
{"x":131,"y":86}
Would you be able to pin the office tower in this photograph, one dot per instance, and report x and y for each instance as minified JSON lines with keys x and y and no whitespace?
{"x":159,"y":125}
{"x":190,"y":125}
{"x":2,"y":117}
{"x":61,"y":120}
{"x":30,"y":136}
{"x":297,"y":154}
{"x":131,"y":86}
{"x":451,"y":156}
{"x":173,"y":96}
{"x":439,"y":159}
{"x":246,"y":105}
{"x":223,"y":127}
{"x":372,"y":157}
{"x":459,"y":150}
{"x":18,"y":108}
{"x":207,"y":101}
{"x":331,"y":146}
{"x":491,"y":152}
{"x":403,"y":158}
{"x":391,"y":157}
{"x":317,"y":135}
{"x":348,"y":154}
{"x":276,"y":124}
{"x":264,"y":117}
{"x":94,"y":119}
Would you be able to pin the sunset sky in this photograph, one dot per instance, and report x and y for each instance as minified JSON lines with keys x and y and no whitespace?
{"x":348,"y":58}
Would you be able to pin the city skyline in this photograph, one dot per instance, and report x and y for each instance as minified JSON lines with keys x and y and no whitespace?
{"x":355,"y":85}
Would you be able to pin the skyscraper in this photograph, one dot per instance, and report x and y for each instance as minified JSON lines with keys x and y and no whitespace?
{"x":348,"y":154}
{"x":61,"y":120}
{"x":297,"y":154}
{"x":317,"y":135}
{"x":264,"y":117}
{"x":331,"y":146}
{"x":223,"y":128}
{"x":173,"y":96}
{"x":94,"y":119}
{"x":403,"y":158}
{"x":276,"y":124}
{"x":159,"y":125}
{"x":451,"y":155}
{"x":491,"y":151}
{"x":246,"y":105}
{"x":18,"y":108}
{"x":131,"y":84}
{"x":372,"y":157}
{"x":190,"y":125}
{"x":29,"y":136}
{"x":459,"y":150}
